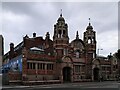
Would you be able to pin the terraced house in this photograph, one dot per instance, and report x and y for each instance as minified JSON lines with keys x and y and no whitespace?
{"x":38,"y":60}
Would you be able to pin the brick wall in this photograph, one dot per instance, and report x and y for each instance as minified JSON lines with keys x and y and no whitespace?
{"x":14,"y":76}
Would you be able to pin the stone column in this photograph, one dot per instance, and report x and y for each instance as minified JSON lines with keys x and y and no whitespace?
{"x":46,"y":71}
{"x":24,"y":64}
{"x":45,"y":68}
{"x":72,"y":74}
{"x":61,"y":73}
{"x":36,"y":70}
{"x":92,"y":74}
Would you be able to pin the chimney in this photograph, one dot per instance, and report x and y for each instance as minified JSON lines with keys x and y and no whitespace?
{"x":11,"y":53}
{"x":47,"y":35}
{"x":11,"y":46}
{"x":34,"y":34}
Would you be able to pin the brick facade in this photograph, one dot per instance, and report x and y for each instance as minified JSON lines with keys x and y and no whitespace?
{"x":46,"y":60}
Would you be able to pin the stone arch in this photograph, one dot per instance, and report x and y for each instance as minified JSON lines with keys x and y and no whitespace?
{"x":96,"y":70}
{"x":67,"y":59}
{"x":96,"y":62}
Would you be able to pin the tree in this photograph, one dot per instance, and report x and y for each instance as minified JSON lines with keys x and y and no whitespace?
{"x":117,"y":54}
{"x":109,"y":56}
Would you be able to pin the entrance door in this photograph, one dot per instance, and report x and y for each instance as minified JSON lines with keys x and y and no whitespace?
{"x":66,"y":74}
{"x":96,"y":74}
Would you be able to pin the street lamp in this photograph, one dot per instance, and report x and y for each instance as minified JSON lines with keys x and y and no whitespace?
{"x":98,"y":51}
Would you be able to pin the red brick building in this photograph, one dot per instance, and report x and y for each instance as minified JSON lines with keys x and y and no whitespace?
{"x":41,"y":60}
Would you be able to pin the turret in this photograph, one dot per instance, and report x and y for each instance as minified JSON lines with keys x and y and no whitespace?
{"x":90,"y":42}
{"x":60,"y":37}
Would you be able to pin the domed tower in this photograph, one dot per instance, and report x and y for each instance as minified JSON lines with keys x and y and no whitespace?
{"x":90,"y":42}
{"x":78,"y":46}
{"x":90,"y":45}
{"x":60,"y":37}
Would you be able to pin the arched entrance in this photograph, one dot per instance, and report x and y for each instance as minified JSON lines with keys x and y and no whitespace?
{"x":96,"y":74}
{"x":66,"y":74}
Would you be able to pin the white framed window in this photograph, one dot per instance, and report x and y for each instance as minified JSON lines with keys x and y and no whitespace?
{"x":77,"y":54}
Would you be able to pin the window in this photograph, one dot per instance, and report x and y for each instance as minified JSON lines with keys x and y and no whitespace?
{"x":65,"y":51}
{"x":93,"y":55}
{"x":108,"y":68}
{"x":92,"y":40}
{"x":49,"y":66}
{"x":30,"y":65}
{"x":38,"y":66}
{"x":33,"y":66}
{"x":59,"y":33}
{"x":41,"y":66}
{"x":89,"y":41}
{"x":77,"y":68}
{"x":77,"y":54}
{"x":81,"y":77}
{"x":103,"y":68}
{"x":63,"y":31}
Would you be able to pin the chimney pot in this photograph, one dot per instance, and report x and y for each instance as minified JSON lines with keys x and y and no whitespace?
{"x":34,"y":34}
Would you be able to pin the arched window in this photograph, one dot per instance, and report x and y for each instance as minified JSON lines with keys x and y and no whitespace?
{"x":65,"y":51}
{"x":77,"y":54}
{"x":92,"y":40}
{"x":93,"y":55}
{"x":89,"y":41}
{"x":63,"y":31}
{"x":59,"y":33}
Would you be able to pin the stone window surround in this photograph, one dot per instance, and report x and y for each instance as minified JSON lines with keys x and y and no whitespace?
{"x":40,"y":65}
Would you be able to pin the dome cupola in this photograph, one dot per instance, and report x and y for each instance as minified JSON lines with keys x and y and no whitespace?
{"x":89,"y":26}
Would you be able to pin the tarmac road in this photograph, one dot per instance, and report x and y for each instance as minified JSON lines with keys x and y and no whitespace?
{"x":110,"y":85}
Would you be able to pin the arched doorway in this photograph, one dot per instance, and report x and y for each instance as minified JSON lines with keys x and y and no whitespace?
{"x":66,"y":74}
{"x":96,"y":74}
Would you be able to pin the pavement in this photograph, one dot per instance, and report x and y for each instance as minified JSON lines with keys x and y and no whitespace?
{"x":110,"y":85}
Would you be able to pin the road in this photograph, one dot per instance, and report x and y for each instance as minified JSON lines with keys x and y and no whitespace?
{"x":111,"y":85}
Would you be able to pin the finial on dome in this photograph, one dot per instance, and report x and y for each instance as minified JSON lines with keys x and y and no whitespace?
{"x":89,"y":26}
{"x":61,"y":13}
{"x":89,"y":22}
{"x":77,"y":36}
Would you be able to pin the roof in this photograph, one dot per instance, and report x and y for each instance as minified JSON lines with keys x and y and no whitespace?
{"x":89,"y":27}
{"x":103,"y":60}
{"x":36,"y":48}
{"x":61,"y":18}
{"x":100,"y":56}
{"x":78,"y":40}
{"x":77,"y":43}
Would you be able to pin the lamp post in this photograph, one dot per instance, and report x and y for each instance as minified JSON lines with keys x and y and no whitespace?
{"x":100,"y":73}
{"x":98,"y":51}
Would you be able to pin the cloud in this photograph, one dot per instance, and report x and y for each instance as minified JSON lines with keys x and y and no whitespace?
{"x":21,"y":18}
{"x":108,"y":41}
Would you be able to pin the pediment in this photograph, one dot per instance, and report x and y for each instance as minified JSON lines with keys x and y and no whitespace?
{"x":96,"y":62}
{"x":66,"y":59}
